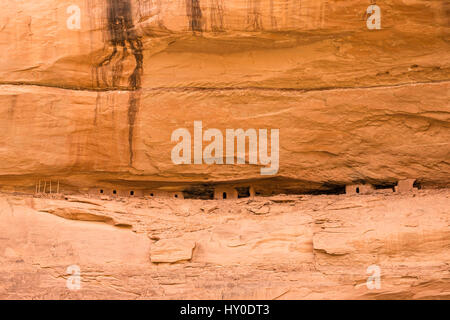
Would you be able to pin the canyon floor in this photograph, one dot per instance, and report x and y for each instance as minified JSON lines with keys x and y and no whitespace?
{"x":280,"y":247}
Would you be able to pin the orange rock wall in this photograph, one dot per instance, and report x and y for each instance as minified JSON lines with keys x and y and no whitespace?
{"x":351,"y":104}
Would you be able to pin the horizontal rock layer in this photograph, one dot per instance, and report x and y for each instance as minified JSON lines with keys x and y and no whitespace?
{"x":334,"y":136}
{"x":302,"y":247}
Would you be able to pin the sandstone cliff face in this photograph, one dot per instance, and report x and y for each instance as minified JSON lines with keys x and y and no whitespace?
{"x":93,"y":104}
{"x":98,"y":105}
{"x":284,"y":247}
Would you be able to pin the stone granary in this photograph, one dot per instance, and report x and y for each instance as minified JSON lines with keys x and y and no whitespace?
{"x":225,"y":192}
{"x":406,"y":185}
{"x":359,"y":189}
{"x":116,"y":192}
{"x":222,"y":192}
{"x":131,"y":192}
{"x":163,"y":194}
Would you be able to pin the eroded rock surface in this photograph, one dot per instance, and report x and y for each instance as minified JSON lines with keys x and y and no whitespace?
{"x":93,"y":109}
{"x":305,"y":247}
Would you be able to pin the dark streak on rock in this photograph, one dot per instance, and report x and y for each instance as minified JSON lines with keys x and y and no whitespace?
{"x":133,"y":108}
{"x":122,"y":34}
{"x":12,"y":107}
{"x":97,"y":103}
{"x":194,"y":13}
{"x":217,"y":12}
{"x":273,"y":19}
{"x":254,"y":15}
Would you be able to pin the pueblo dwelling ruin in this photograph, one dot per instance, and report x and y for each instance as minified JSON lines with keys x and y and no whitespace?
{"x":224,"y":191}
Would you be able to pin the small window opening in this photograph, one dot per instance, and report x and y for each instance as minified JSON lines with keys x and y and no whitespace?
{"x":114,"y":191}
{"x":151,"y":194}
{"x":357,"y":190}
{"x":176,"y":196}
{"x":224,"y":195}
{"x":131,"y":193}
{"x":101,"y":191}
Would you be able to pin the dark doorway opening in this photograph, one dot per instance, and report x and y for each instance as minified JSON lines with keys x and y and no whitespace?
{"x":202,"y":192}
{"x":417,"y":185}
{"x":243,"y":192}
{"x":387,"y":185}
{"x":114,"y":191}
{"x":224,"y":195}
{"x":131,"y":193}
{"x":326,"y":189}
{"x":357,"y":189}
{"x":101,"y":191}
